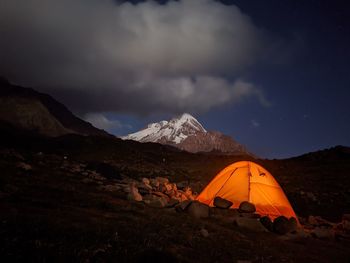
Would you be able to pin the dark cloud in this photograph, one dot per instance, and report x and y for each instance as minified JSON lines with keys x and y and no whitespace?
{"x":97,"y":55}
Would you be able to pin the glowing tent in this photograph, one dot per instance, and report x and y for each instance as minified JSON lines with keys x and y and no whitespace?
{"x":248,"y":181}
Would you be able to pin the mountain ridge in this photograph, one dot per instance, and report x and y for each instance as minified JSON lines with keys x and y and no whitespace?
{"x":187,"y":133}
{"x":35,"y":111}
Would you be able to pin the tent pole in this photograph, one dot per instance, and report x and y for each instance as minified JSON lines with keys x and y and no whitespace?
{"x":249,"y":175}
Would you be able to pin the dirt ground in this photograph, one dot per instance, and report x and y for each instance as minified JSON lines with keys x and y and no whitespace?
{"x":51,"y":213}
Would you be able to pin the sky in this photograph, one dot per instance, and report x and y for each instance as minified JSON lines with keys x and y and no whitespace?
{"x":272,"y":74}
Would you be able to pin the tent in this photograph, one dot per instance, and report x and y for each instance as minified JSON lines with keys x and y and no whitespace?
{"x":248,"y":181}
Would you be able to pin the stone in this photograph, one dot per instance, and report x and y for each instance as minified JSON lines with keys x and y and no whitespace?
{"x":346,"y":217}
{"x":281,"y":225}
{"x":158,"y":202}
{"x":198,"y":210}
{"x":251,"y":224}
{"x":134,"y":194}
{"x":160,"y":194}
{"x":311,"y":196}
{"x":182,"y":206}
{"x":204,"y":232}
{"x":246,"y":207}
{"x":323,"y":233}
{"x":250,"y":215}
{"x":168,"y":187}
{"x":87,"y":181}
{"x":162,"y":180}
{"x":182,"y":185}
{"x":293,"y":223}
{"x":110,"y":188}
{"x":312,"y":220}
{"x":222,"y":203}
{"x":146,"y":181}
{"x":172,"y":202}
{"x":188,"y":193}
{"x":144,"y":191}
{"x":24,"y":166}
{"x":267,"y":222}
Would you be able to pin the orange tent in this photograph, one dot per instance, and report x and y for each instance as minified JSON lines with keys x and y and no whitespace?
{"x":248,"y":181}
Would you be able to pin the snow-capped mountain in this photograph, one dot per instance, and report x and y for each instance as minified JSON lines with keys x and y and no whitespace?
{"x":186,"y":133}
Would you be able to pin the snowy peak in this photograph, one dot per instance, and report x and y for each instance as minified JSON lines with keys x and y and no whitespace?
{"x":186,"y":133}
{"x":174,"y":131}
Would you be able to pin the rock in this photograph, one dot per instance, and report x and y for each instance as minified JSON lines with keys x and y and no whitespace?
{"x":87,"y":181}
{"x":198,"y":210}
{"x":281,"y":225}
{"x":182,"y":206}
{"x":173,"y":202}
{"x":144,"y":191}
{"x":249,"y":215}
{"x":251,"y":224}
{"x":162,"y":180}
{"x":134,"y":194}
{"x":204,"y":232}
{"x":346,"y":217}
{"x":96,"y":176}
{"x":267,"y":222}
{"x":182,"y":185}
{"x":311,"y":196}
{"x":312,"y":220}
{"x":160,"y":194}
{"x":146,"y":181}
{"x":246,"y":207}
{"x":168,"y":187}
{"x":109,"y":188}
{"x":319,"y":221}
{"x":158,"y":202}
{"x":293,"y":224}
{"x":323,"y":233}
{"x":154,"y":183}
{"x":188,"y":193}
{"x":222,"y":203}
{"x":24,"y":166}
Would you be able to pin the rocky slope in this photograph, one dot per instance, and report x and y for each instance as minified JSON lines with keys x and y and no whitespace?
{"x":33,"y":111}
{"x":186,"y":133}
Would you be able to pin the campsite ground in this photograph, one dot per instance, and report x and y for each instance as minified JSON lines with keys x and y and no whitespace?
{"x":51,"y":212}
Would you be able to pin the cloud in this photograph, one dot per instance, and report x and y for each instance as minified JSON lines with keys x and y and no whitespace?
{"x":100,"y":121}
{"x":255,"y":124}
{"x":97,"y":55}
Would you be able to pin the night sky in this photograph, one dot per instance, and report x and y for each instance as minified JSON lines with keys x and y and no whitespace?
{"x":274,"y":75}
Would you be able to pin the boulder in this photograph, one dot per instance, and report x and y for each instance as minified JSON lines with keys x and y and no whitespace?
{"x":251,"y":224}
{"x":172,"y":202}
{"x":222,"y":203}
{"x":250,"y":215}
{"x":134,"y":194}
{"x":323,"y":233}
{"x":281,"y":225}
{"x":109,"y":188}
{"x":246,"y":207}
{"x":267,"y":222}
{"x":162,"y":180}
{"x":198,"y":210}
{"x":155,"y":201}
{"x":293,"y":223}
{"x":204,"y":232}
{"x":24,"y":166}
{"x":182,"y":206}
{"x":154,"y":183}
{"x":346,"y":217}
{"x":146,"y":181}
{"x":188,"y":193}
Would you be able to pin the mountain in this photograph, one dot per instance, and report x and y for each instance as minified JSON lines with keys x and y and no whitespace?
{"x":30,"y":110}
{"x":186,"y":133}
